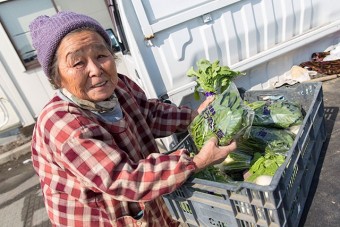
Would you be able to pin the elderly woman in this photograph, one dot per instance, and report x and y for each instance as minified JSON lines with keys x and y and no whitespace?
{"x":93,"y":146}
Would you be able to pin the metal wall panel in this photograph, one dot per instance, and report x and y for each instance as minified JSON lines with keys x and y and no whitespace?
{"x":250,"y":36}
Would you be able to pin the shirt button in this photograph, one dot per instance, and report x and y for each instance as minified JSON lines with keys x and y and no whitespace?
{"x":139,"y":223}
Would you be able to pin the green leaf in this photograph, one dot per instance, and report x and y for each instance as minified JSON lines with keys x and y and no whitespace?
{"x":265,"y":165}
{"x":212,"y":77}
{"x":196,"y":95}
{"x":191,"y":72}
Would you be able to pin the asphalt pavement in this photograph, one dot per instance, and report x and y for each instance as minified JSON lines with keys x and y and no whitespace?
{"x":323,"y":204}
{"x":21,"y":202}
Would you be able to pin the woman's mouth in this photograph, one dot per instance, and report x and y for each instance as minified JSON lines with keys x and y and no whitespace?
{"x":99,"y":84}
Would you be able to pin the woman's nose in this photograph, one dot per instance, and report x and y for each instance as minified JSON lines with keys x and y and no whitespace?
{"x":94,"y":68}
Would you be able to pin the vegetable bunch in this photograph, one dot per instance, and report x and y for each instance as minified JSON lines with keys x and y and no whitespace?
{"x":276,"y":113}
{"x":211,"y":78}
{"x":236,"y":161}
{"x":226,"y":118}
{"x":265,"y":165}
{"x":268,"y":140}
{"x":213,"y":173}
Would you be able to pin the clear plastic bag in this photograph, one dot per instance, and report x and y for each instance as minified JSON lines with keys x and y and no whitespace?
{"x":226,"y":118}
{"x":268,"y":140}
{"x":276,"y":113}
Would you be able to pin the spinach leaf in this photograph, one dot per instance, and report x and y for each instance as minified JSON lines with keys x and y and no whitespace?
{"x":211,"y":78}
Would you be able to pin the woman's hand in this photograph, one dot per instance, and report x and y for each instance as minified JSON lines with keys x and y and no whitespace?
{"x":212,"y":154}
{"x":203,"y":105}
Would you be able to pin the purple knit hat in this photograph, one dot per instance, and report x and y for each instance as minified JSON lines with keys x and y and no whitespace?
{"x":47,"y":33}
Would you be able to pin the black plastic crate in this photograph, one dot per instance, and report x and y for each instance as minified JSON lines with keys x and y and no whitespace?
{"x":201,"y":202}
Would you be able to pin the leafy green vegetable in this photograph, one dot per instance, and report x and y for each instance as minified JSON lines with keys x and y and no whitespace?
{"x":211,"y":77}
{"x":269,"y":140}
{"x":213,"y":173}
{"x":276,"y":113}
{"x":235,"y":161}
{"x":226,"y":118}
{"x":265,"y":165}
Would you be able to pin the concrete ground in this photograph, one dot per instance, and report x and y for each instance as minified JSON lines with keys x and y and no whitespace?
{"x":21,"y":200}
{"x":323,"y":204}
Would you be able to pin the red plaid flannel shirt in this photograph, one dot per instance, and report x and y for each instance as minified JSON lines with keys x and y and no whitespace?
{"x":95,"y":173}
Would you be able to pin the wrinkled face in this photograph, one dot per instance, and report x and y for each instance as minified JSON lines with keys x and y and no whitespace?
{"x":87,"y":68}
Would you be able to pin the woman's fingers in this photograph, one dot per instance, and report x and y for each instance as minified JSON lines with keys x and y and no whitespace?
{"x":231,"y":146}
{"x":205,"y":103}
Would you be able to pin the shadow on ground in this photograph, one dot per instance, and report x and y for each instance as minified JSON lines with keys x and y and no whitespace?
{"x":331,"y":114}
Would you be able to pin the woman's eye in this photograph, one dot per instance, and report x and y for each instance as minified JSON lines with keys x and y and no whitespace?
{"x":101,"y":56}
{"x":78,"y":64}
